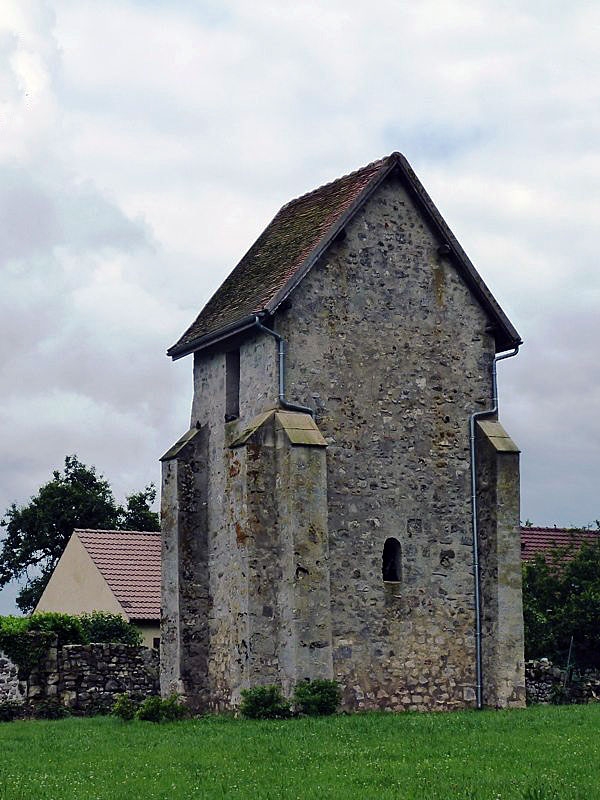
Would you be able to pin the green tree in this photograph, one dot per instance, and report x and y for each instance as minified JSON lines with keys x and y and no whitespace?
{"x":37,"y":533}
{"x":137,"y":515}
{"x":561,"y":599}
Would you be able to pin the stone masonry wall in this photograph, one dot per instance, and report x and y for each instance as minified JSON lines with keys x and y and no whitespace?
{"x":226,"y":492}
{"x":90,"y":676}
{"x":12,"y":690}
{"x":389,"y":346}
{"x":282,"y":526}
{"x":84,"y":678}
{"x":549,"y":684}
{"x":501,"y":588}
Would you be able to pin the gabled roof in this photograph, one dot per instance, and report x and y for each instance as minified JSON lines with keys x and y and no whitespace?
{"x":541,"y":541}
{"x":295,"y":239}
{"x":129,"y":561}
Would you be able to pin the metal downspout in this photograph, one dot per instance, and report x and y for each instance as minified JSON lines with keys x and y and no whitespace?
{"x":476,"y":568}
{"x":281,"y":351}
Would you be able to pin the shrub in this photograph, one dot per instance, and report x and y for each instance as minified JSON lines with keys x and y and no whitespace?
{"x":264,"y":702}
{"x":172,"y":709}
{"x":318,"y":697}
{"x":100,"y":626}
{"x":153,"y":709}
{"x":150,"y":710}
{"x":66,"y":627}
{"x":561,"y":606}
{"x":24,"y":647}
{"x":124,"y":707}
{"x":26,"y":640}
{"x":10,"y":710}
{"x":50,"y":708}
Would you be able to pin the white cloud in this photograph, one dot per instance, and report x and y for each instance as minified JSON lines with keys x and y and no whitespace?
{"x":145,"y":145}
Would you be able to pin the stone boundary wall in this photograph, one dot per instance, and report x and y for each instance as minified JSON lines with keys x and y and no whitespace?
{"x":84,"y":678}
{"x":12,"y":690}
{"x":546,"y":683}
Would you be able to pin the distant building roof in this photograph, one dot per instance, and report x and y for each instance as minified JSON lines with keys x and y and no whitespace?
{"x":129,"y":562}
{"x":294,"y":241}
{"x":542,"y":540}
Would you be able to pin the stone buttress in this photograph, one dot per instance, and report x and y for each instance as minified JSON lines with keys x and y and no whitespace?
{"x":500,"y":559}
{"x":277,"y":625}
{"x":186,"y":600}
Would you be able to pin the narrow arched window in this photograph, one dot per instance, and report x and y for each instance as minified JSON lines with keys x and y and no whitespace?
{"x":392,"y":561}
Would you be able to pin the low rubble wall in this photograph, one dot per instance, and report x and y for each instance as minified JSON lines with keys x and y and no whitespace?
{"x":85,"y":679}
{"x":546,"y":683}
{"x":12,"y":690}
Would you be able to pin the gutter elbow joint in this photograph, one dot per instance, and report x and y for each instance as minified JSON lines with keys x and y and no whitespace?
{"x":281,"y":351}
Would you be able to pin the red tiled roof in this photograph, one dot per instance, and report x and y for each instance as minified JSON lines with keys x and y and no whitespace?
{"x":129,"y":562}
{"x":294,"y":240}
{"x":542,"y":540}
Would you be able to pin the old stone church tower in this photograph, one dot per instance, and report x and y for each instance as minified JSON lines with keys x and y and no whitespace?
{"x":345,"y":503}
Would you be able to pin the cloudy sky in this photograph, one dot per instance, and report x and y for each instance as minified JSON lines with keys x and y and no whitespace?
{"x":144,"y":145}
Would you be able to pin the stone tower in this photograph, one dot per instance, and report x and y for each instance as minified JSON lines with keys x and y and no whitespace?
{"x":345,"y":503}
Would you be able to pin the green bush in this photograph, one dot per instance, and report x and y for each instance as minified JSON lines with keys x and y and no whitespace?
{"x":10,"y":710}
{"x":172,"y":709}
{"x":11,"y":626}
{"x":150,"y":710}
{"x":318,"y":697}
{"x":153,"y":709}
{"x":26,"y":640}
{"x":124,"y":707}
{"x":66,"y":627}
{"x":264,"y":702}
{"x":24,"y":647}
{"x":49,"y":708}
{"x":100,"y":626}
{"x":561,"y":606}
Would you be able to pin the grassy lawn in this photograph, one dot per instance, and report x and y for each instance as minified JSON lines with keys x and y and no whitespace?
{"x":534,"y":754}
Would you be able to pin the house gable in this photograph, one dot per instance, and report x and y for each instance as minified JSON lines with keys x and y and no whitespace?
{"x":77,"y":586}
{"x":129,"y":561}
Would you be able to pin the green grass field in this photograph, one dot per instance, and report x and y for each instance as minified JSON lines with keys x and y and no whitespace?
{"x":534,"y":754}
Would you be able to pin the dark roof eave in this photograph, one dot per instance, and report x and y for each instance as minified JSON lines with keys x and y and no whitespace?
{"x":226,"y":332}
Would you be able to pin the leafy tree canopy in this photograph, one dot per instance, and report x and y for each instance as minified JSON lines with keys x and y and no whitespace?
{"x":561,"y":599}
{"x":37,"y":533}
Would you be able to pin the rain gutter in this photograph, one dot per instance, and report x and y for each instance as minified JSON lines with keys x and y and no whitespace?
{"x":281,"y":353}
{"x":474,"y":510}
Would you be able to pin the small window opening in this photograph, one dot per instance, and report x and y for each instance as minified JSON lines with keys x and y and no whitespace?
{"x":232,"y":385}
{"x":156,"y":642}
{"x":392,"y":561}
